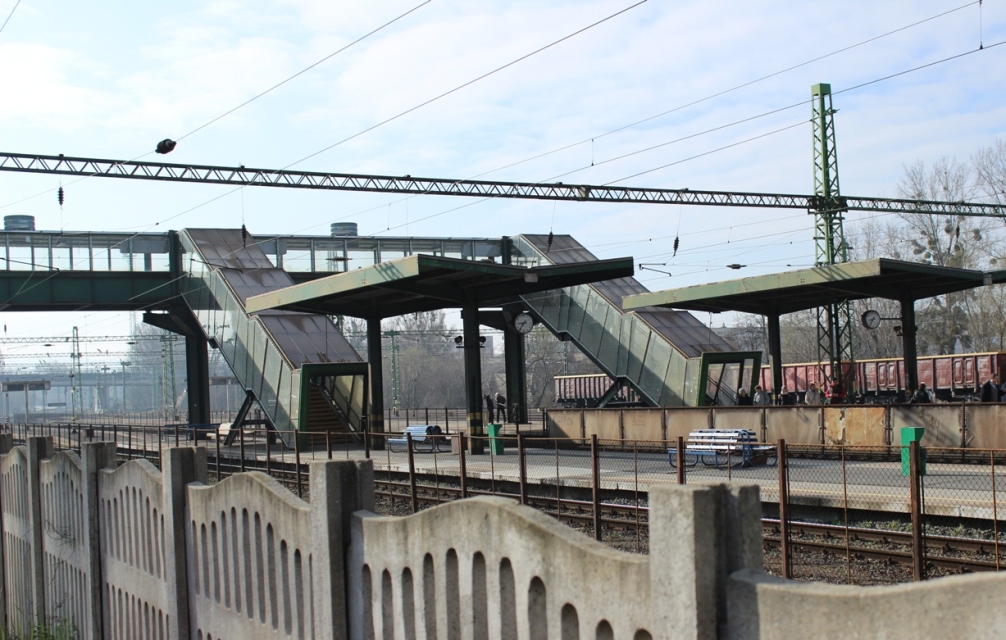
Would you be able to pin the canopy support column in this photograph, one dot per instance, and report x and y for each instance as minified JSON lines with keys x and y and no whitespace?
{"x":775,"y":352}
{"x":375,"y":422}
{"x":473,"y":370}
{"x":908,"y":330}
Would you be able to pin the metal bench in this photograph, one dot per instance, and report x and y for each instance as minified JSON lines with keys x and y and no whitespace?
{"x":425,"y":438}
{"x":720,"y":447}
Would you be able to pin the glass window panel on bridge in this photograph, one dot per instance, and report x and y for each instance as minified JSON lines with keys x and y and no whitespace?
{"x":335,"y":255}
{"x":48,"y":251}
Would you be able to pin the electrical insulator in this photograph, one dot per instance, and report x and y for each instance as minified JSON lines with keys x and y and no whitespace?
{"x":677,"y":241}
{"x":244,"y":236}
{"x":59,"y":196}
{"x":551,"y":237}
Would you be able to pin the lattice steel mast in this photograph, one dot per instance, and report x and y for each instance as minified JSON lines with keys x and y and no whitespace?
{"x":834,"y":321}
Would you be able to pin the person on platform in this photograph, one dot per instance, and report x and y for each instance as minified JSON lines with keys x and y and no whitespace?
{"x":489,"y":408}
{"x":813,"y":396}
{"x":836,"y":392}
{"x":500,"y":407}
{"x":990,"y":390}
{"x":762,"y":397}
{"x":922,"y":395}
{"x":743,"y":399}
{"x":785,"y":397}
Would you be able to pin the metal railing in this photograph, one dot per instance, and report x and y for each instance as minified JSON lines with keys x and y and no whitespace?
{"x":858,"y":515}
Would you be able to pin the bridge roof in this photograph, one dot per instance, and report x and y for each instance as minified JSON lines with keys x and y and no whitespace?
{"x":425,"y":283}
{"x":791,"y":291}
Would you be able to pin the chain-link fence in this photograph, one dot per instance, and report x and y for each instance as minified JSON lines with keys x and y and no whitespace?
{"x":842,"y":514}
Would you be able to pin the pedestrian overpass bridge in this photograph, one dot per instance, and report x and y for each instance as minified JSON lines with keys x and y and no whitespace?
{"x":195,"y":282}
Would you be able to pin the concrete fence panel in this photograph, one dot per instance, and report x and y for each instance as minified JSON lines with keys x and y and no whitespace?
{"x":985,"y":426}
{"x":606,"y":424}
{"x":65,"y":553}
{"x":565,"y":423}
{"x":797,"y":425}
{"x":134,"y":552}
{"x":643,"y":424}
{"x":489,"y":568}
{"x":681,"y":422}
{"x":17,"y":540}
{"x":249,"y":560}
{"x":855,"y":425}
{"x":769,"y":608}
{"x":944,"y":423}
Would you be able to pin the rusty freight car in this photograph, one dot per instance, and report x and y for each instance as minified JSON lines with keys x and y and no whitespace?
{"x":589,"y":390}
{"x":951,"y":378}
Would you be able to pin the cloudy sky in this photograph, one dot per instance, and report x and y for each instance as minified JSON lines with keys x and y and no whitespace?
{"x":110,"y":79}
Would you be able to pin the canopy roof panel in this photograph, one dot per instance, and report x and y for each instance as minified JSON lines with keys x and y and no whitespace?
{"x":782,"y":293}
{"x":425,"y":283}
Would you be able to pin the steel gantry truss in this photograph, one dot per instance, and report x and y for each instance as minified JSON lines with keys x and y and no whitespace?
{"x":285,"y":178}
{"x":834,"y":321}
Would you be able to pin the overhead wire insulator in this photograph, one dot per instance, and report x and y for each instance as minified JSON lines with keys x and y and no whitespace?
{"x":677,"y":241}
{"x":244,"y":236}
{"x":60,"y":196}
{"x":165,"y":146}
{"x":548,"y":245}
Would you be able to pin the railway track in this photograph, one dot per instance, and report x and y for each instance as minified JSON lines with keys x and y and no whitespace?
{"x":955,"y":554}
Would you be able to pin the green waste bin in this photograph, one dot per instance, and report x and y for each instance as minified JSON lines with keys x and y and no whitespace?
{"x":495,"y":441}
{"x":908,"y":436}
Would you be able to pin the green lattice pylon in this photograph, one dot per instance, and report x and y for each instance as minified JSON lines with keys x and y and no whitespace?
{"x":834,"y":321}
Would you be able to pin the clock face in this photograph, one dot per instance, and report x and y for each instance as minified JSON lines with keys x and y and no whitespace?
{"x":871,"y":319}
{"x":523,"y":323}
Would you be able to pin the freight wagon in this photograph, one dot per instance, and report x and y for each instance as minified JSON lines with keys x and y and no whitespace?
{"x":951,"y":378}
{"x":589,"y":390}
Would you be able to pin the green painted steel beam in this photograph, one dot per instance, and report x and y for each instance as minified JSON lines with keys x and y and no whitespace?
{"x":808,"y":288}
{"x":85,"y":290}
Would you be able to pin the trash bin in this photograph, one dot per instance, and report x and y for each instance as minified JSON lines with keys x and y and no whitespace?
{"x":495,"y":441}
{"x":908,"y":436}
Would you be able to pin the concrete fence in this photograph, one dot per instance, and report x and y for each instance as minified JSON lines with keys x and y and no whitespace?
{"x":131,"y":551}
{"x":947,"y":425}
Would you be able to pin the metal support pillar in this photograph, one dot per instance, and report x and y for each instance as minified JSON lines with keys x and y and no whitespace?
{"x":197,"y":359}
{"x":516,"y":375}
{"x":908,"y":331}
{"x":197,"y":373}
{"x":775,"y":352}
{"x":473,"y":371}
{"x":376,"y":421}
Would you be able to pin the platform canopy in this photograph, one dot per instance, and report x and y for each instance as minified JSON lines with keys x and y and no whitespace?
{"x":782,"y":293}
{"x":424,"y":283}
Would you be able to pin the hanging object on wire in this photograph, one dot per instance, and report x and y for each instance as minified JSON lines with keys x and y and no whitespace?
{"x":548,"y":243}
{"x":677,"y":241}
{"x":165,"y":146}
{"x":244,"y":236}
{"x":60,"y":196}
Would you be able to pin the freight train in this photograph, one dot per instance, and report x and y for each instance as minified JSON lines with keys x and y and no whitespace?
{"x":587,"y":390}
{"x":951,"y":378}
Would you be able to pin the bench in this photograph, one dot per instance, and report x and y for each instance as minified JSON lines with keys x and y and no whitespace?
{"x":719,"y":447}
{"x":425,"y":437}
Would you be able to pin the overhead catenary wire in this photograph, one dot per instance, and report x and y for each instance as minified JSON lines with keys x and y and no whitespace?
{"x":7,"y":19}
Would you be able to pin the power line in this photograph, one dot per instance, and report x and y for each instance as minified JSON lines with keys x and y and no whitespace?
{"x":9,"y":16}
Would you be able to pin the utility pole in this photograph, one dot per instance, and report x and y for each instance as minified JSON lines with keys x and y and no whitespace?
{"x":76,"y":378}
{"x":834,"y":321}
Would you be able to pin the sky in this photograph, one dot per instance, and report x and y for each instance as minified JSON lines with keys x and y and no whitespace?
{"x":110,"y":79}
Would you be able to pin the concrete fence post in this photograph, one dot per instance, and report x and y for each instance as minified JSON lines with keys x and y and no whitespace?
{"x":180,"y":467}
{"x":39,"y":448}
{"x":6,"y":444}
{"x":338,"y":488}
{"x":94,"y":457}
{"x":699,"y":535}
